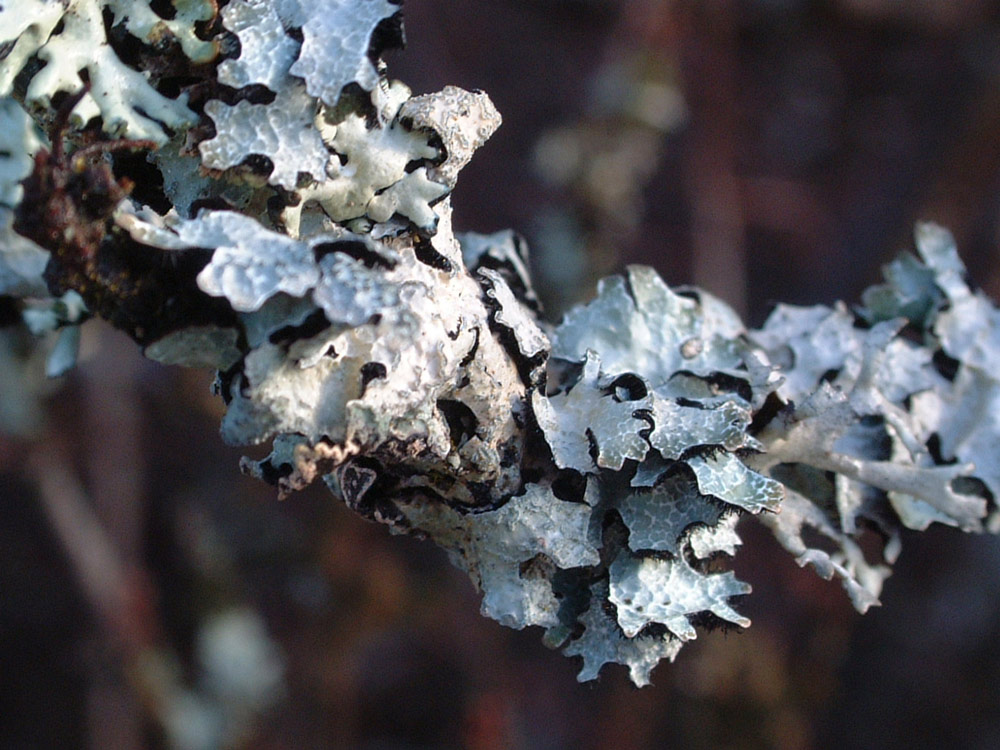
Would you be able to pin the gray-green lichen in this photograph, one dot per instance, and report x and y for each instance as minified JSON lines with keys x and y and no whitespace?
{"x":588,"y":476}
{"x":69,"y":37}
{"x":649,"y":590}
{"x":282,"y":131}
{"x":21,"y":260}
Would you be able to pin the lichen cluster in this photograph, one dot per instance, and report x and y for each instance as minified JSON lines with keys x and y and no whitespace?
{"x":589,"y":476}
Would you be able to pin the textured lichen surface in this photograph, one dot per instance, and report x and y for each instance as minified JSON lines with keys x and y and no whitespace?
{"x":70,"y":38}
{"x":589,"y":476}
{"x":21,"y":260}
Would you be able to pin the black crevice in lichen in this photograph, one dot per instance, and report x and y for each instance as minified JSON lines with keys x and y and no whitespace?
{"x":646,"y":416}
{"x":592,"y":447}
{"x":771,"y":408}
{"x":973,"y":486}
{"x":314,"y":324}
{"x":354,"y":100}
{"x":563,"y":373}
{"x":510,"y":453}
{"x":256,"y":164}
{"x":572,"y":588}
{"x":482,"y":495}
{"x":518,"y":284}
{"x":569,"y":485}
{"x":224,"y":381}
{"x":830,"y":375}
{"x":471,"y":354}
{"x":462,"y":421}
{"x":934,"y":448}
{"x":230,"y":47}
{"x":356,"y":249}
{"x":729,"y":384}
{"x":257,"y":93}
{"x":30,"y":69}
{"x":356,"y":478}
{"x":212,"y":27}
{"x":614,"y":538}
{"x":147,"y":179}
{"x":634,"y":388}
{"x":272,"y":474}
{"x":164,"y":9}
{"x":531,"y":370}
{"x":433,"y":140}
{"x":277,"y":204}
{"x":373,"y":496}
{"x":371,"y":371}
{"x":426,"y":253}
{"x":10,"y":311}
{"x":946,"y":366}
{"x":537,"y":451}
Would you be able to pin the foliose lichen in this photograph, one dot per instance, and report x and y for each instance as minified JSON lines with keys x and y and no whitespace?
{"x":588,"y":476}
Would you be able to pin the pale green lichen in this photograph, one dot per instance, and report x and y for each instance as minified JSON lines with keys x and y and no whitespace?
{"x":649,"y":590}
{"x":681,"y":425}
{"x":70,"y":37}
{"x":21,"y":260}
{"x":588,"y":476}
{"x":602,"y":642}
{"x":640,"y":325}
{"x":658,"y":517}
{"x":266,"y":50}
{"x":336,"y":39}
{"x":283,"y":131}
{"x":587,"y":412}
{"x":493,"y":545}
{"x":725,"y":477}
{"x":515,"y":316}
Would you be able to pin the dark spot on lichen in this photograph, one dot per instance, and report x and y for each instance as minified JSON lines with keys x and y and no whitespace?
{"x":314,"y":324}
{"x":427,"y":254}
{"x":356,"y":249}
{"x":462,"y":422}
{"x":371,"y":371}
{"x":569,"y":485}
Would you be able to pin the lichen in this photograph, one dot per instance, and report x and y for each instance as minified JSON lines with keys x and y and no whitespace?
{"x":283,"y":131}
{"x":647,"y":590}
{"x":588,"y":416}
{"x":589,"y":476}
{"x":21,"y":260}
{"x":640,"y":325}
{"x":70,"y":37}
{"x":492,"y":546}
{"x":336,"y":39}
{"x":266,"y":49}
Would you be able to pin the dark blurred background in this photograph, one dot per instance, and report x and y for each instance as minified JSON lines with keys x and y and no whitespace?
{"x":767,"y":150}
